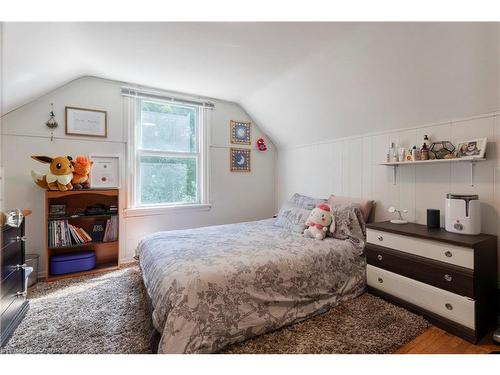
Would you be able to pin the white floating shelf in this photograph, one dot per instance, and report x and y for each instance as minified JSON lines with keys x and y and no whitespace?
{"x":433,"y":161}
{"x":396,"y":164}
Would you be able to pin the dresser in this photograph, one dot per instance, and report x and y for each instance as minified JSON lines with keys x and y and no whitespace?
{"x":13,"y":301}
{"x":449,"y":278}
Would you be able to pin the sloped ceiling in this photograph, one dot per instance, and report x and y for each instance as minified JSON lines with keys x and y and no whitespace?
{"x":302,"y":82}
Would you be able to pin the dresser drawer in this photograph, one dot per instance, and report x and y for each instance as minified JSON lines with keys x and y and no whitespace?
{"x":443,"y":252}
{"x":9,"y":289}
{"x":448,"y":305}
{"x":11,"y":235}
{"x":452,"y":278}
{"x":12,"y":255}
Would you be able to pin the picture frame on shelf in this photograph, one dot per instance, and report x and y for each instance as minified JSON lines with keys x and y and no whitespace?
{"x":105,"y":172}
{"x":474,"y":148}
{"x":240,"y":159}
{"x":240,"y":132}
{"x":86,"y":122}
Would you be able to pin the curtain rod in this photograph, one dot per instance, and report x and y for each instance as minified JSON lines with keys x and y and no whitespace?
{"x":146,"y":94}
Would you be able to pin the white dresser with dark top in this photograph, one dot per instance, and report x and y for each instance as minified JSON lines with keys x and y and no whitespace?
{"x":451,"y":279}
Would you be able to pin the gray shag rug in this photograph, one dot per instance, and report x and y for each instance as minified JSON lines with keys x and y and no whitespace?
{"x":107,"y":313}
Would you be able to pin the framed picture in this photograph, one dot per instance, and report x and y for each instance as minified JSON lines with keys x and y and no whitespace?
{"x":105,"y":172}
{"x":475,"y":148}
{"x":240,"y":159}
{"x":240,"y":132}
{"x":86,"y":122}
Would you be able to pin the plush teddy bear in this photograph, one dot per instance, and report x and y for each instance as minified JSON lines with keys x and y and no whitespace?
{"x":318,"y":221}
{"x":82,"y":166}
{"x":59,"y":176}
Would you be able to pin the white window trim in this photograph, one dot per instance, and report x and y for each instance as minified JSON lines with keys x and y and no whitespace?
{"x":163,"y":209}
{"x":131,"y":115}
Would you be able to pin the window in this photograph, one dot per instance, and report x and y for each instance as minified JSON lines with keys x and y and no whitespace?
{"x":169,"y":154}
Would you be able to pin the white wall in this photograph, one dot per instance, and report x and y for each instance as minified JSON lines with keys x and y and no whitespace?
{"x":381,"y":76}
{"x":351,"y":167}
{"x":235,"y":196}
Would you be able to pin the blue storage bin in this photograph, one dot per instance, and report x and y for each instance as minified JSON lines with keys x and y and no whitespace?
{"x":72,"y":262}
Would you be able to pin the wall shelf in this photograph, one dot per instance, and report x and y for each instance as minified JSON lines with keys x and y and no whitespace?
{"x":471,"y":161}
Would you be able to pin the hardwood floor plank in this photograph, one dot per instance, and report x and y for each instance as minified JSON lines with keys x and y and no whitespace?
{"x":437,"y":341}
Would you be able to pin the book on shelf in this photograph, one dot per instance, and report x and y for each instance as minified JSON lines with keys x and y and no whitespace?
{"x":61,"y":234}
{"x":98,"y":231}
{"x":111,"y":231}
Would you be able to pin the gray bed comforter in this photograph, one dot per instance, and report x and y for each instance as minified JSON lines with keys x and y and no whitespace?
{"x":218,"y":285}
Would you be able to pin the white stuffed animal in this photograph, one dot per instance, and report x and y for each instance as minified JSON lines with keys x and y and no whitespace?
{"x":318,"y":221}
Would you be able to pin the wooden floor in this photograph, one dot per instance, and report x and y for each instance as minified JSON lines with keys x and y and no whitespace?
{"x":437,"y":341}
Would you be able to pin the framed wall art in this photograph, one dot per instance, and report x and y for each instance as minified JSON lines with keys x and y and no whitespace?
{"x":240,"y":159}
{"x":86,"y":122}
{"x":105,"y":172}
{"x":475,"y":148}
{"x":240,"y":132}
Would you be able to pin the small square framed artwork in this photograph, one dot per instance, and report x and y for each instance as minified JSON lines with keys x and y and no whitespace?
{"x":240,"y":132}
{"x":105,"y":172}
{"x":240,"y":159}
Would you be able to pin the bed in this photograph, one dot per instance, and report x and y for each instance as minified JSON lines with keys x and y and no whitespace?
{"x":213,"y":286}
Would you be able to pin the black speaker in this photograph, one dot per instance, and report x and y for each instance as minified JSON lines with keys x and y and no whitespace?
{"x":433,"y":218}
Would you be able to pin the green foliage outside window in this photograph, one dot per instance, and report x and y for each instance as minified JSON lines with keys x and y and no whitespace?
{"x":170,"y":129}
{"x":168,"y":180}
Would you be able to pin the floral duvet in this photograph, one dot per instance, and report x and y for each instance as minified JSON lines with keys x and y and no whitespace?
{"x":218,"y":285}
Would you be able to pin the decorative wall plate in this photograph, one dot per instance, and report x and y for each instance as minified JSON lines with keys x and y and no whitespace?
{"x":240,"y":132}
{"x":240,"y":160}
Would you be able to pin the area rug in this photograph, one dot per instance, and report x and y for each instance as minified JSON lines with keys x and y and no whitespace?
{"x":107,"y":313}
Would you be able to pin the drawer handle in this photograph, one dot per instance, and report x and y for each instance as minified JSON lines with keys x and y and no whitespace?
{"x":23,"y":238}
{"x":380,"y":280}
{"x":20,"y":267}
{"x":21,"y":294}
{"x":448,"y":277}
{"x":448,"y":253}
{"x":379,"y":257}
{"x":380,"y":238}
{"x":449,"y":306}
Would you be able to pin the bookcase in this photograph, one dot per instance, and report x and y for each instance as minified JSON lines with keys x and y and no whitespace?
{"x":76,"y":214}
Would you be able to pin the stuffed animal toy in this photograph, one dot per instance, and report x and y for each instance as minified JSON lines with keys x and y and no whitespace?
{"x":318,"y":221}
{"x":82,"y":166}
{"x":59,"y":176}
{"x":261,"y":144}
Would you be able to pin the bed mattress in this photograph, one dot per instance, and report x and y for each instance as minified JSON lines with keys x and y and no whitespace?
{"x":213,"y":286}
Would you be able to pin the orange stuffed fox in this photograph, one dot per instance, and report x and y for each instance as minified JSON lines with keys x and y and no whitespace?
{"x":59,"y":176}
{"x":82,"y":167}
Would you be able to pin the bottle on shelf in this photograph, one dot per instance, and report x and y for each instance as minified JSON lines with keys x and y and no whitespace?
{"x":424,"y":152}
{"x":392,"y":155}
{"x":414,"y":153}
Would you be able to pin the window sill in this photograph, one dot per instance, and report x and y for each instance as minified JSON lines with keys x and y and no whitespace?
{"x":164,"y":210}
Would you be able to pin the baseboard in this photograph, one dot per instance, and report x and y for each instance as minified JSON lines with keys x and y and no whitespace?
{"x":127,"y":261}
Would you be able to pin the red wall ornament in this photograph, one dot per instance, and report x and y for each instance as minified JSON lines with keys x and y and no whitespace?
{"x":261,"y":145}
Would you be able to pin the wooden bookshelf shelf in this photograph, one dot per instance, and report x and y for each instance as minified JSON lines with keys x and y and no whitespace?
{"x":81,"y":245}
{"x":99,"y":268}
{"x":107,"y":253}
{"x":73,"y":217}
